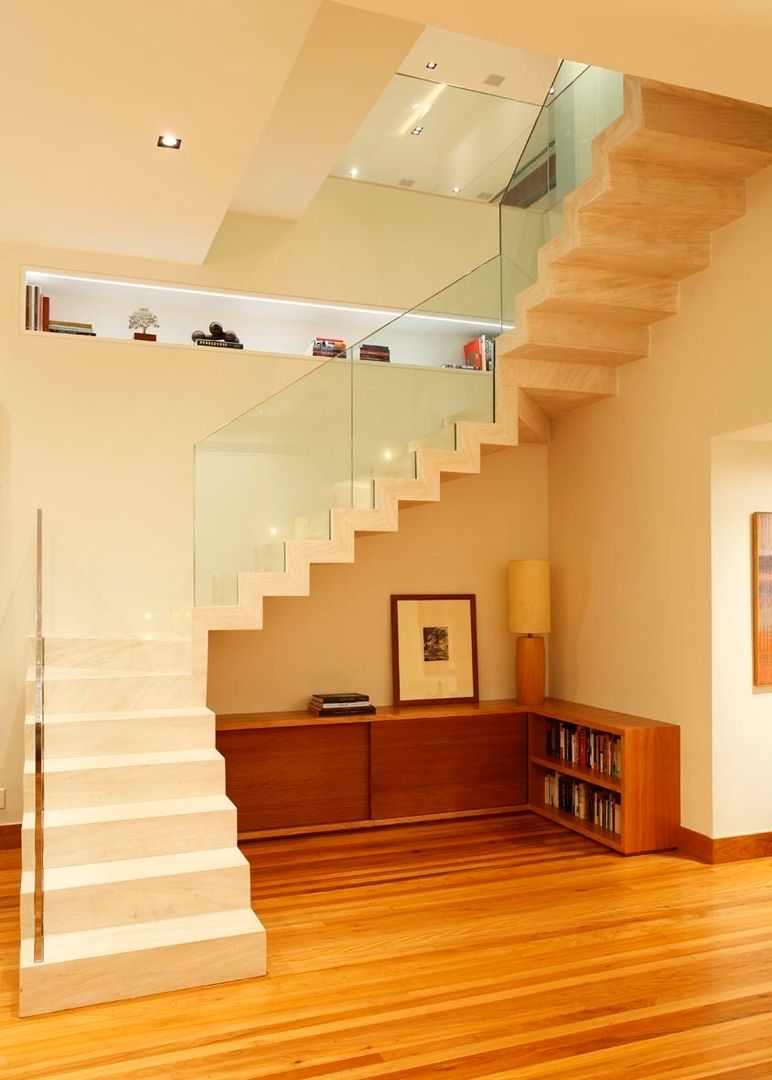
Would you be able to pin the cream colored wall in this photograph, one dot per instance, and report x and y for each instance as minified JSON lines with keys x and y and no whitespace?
{"x":100,"y":434}
{"x":340,"y":636}
{"x":630,"y":504}
{"x":742,"y":713}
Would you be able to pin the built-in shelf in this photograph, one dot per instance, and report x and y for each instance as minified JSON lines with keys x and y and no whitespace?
{"x":590,"y":776}
{"x":278,"y":325}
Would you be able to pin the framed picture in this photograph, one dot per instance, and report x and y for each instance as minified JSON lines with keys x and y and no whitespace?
{"x":434,"y":648}
{"x":762,"y":599}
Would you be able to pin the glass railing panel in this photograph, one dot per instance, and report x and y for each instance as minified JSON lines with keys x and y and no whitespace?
{"x":421,"y":373}
{"x":557,"y":157}
{"x":271,"y":475}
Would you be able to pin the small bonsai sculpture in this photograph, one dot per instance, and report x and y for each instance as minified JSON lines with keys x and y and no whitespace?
{"x":141,"y":320}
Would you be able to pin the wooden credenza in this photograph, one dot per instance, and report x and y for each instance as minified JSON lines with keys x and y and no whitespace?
{"x":293,"y":772}
{"x":297,"y":772}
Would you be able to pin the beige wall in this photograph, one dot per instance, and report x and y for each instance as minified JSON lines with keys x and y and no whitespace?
{"x":630,"y":504}
{"x":742,"y":713}
{"x":340,"y":636}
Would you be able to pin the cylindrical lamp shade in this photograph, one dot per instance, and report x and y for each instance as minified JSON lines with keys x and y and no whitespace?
{"x":529,"y":596}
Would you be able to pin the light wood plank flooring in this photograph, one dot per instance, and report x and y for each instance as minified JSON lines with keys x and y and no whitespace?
{"x":499,"y":947}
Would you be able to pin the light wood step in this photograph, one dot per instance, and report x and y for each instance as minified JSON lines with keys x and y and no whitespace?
{"x":128,"y":778}
{"x":574,"y":338}
{"x":662,"y":191}
{"x":91,"y":834}
{"x":146,"y":889}
{"x":619,"y":295}
{"x":118,"y":962}
{"x":645,"y":247}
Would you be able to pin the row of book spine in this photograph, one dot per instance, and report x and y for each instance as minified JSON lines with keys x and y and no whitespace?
{"x":36,"y":309}
{"x":584,"y":747}
{"x":582,"y":800}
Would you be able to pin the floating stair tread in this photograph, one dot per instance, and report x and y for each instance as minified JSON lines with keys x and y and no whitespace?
{"x":121,"y":761}
{"x":137,"y":937}
{"x":183,"y":712}
{"x":122,"y":870}
{"x":90,"y":815}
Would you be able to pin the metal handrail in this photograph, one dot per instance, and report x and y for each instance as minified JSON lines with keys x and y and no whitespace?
{"x":39,"y":741}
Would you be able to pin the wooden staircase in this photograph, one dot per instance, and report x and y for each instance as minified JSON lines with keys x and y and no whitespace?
{"x":145,"y":889}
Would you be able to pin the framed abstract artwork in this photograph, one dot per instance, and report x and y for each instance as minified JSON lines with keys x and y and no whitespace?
{"x":434,"y":648}
{"x":762,"y":599}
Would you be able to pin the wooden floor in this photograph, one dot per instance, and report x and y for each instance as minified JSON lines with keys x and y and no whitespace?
{"x":501,"y":947}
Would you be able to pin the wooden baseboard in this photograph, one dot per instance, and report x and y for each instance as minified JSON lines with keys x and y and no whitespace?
{"x":724,"y":849}
{"x":10,"y":836}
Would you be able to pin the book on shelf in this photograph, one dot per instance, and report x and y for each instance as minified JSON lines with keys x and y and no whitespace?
{"x":347,"y":698}
{"x":324,"y":346}
{"x":341,"y":710}
{"x":581,"y":800}
{"x":375,"y":352}
{"x":479,"y":353}
{"x":37,"y":308}
{"x":585,"y":748}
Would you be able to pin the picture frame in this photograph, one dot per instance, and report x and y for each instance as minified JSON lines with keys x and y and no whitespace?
{"x":762,"y":598}
{"x":434,"y":648}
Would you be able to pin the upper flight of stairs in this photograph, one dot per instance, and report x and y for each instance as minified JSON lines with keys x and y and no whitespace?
{"x":144,"y":886}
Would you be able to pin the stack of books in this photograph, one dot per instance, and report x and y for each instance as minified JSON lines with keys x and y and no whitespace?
{"x":349,"y":704}
{"x":479,"y":353}
{"x":327,"y":346}
{"x":80,"y":329}
{"x":602,"y":808}
{"x":375,"y":352}
{"x":584,"y":747}
{"x":219,"y":343}
{"x":36,"y":309}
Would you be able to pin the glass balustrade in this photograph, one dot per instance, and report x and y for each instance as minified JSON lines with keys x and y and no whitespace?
{"x":274,"y":473}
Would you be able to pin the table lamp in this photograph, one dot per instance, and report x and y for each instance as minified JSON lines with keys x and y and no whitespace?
{"x":529,"y":614}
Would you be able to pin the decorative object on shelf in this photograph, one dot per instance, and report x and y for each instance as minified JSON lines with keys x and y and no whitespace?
{"x":217,"y":337}
{"x":326,"y":346}
{"x":434,"y":648}
{"x":140,"y":322}
{"x":346,"y":704}
{"x":529,"y":615}
{"x":762,"y":599}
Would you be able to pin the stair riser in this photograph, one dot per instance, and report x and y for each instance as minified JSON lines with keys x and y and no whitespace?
{"x":68,"y":985}
{"x":145,"y":899}
{"x":91,"y":738}
{"x":715,"y":158}
{"x":693,"y":117}
{"x":132,"y":783}
{"x":113,"y":694}
{"x":109,"y":655}
{"x":93,"y":842}
{"x":643,"y":299}
{"x":612,"y":244}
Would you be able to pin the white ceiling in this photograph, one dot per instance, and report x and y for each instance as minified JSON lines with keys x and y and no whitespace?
{"x":470,"y":141}
{"x":88,"y":87}
{"x":468,"y":61}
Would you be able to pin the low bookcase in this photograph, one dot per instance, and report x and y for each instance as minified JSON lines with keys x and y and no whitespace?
{"x":615,"y":780}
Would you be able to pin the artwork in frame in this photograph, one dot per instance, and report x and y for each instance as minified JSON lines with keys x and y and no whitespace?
{"x":762,"y":599}
{"x":434,"y":648}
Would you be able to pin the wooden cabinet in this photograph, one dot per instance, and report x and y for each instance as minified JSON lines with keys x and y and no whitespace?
{"x":296,"y":772}
{"x":645,"y":789}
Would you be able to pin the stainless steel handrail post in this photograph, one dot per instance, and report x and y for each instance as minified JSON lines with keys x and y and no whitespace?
{"x":39,"y":742}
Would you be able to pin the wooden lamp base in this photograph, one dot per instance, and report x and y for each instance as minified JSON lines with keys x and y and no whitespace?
{"x":529,"y":670}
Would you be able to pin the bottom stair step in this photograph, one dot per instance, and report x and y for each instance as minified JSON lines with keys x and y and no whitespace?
{"x":119,"y":962}
{"x":140,"y":890}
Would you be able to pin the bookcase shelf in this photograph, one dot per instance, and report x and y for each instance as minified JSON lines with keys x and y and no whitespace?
{"x":647,"y":787}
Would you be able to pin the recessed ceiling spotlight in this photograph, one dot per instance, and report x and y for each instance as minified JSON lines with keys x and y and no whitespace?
{"x":353,"y":173}
{"x":417,"y":129}
{"x":552,"y":89}
{"x":169,"y":142}
{"x":455,"y":190}
{"x":432,"y":65}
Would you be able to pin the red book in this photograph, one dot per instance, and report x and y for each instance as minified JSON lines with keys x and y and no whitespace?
{"x":45,"y":312}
